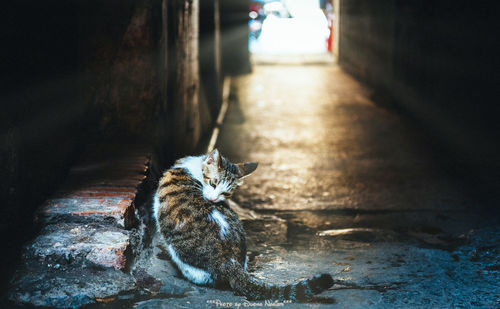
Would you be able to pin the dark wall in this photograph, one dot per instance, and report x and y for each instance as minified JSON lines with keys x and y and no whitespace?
{"x":90,"y":71}
{"x":186,"y":114}
{"x":42,"y":114}
{"x":210,"y":55}
{"x":436,"y":61}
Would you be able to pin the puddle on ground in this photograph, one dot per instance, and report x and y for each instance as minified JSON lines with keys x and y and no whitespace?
{"x":326,"y":230}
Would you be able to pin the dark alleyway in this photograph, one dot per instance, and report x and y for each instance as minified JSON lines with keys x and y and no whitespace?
{"x":379,"y":161}
{"x":352,"y":189}
{"x":323,"y":142}
{"x":330,"y":159}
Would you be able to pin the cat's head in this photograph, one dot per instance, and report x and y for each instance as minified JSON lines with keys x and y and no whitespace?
{"x":221,"y":177}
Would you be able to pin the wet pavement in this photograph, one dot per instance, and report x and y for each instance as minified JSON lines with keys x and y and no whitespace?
{"x":345,"y":187}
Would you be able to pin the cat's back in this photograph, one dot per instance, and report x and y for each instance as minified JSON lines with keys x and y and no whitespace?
{"x":181,"y":209}
{"x":178,"y":200}
{"x":190,"y":223}
{"x":175,"y":182}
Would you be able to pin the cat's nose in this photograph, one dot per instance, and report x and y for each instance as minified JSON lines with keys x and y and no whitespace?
{"x":213,"y":199}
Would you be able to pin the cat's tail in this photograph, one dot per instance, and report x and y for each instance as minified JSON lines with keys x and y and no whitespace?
{"x":244,"y":284}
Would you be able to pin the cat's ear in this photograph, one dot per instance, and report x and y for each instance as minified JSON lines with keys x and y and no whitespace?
{"x":245,"y":169}
{"x":212,"y":157}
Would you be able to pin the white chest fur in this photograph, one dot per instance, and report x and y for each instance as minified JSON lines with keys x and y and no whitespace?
{"x":219,"y":218}
{"x":156,"y":208}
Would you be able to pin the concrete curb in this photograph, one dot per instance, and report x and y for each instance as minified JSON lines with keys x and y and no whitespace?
{"x":226,"y":89}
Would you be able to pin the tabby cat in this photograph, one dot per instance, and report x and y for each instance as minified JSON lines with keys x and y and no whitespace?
{"x":204,"y":236}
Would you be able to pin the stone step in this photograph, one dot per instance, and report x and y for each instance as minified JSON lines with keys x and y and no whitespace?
{"x":63,"y":244}
{"x":120,"y":209}
{"x":45,"y":286}
{"x":83,"y":251}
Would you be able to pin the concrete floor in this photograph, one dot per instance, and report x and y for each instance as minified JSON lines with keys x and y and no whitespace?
{"x":352,"y":189}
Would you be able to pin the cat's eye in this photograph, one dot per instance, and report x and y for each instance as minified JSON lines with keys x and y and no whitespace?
{"x":212,"y":183}
{"x":226,"y":194}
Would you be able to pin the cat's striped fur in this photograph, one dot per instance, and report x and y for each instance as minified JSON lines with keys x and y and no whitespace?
{"x":203,"y":234}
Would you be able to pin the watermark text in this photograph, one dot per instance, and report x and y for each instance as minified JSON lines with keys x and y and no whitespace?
{"x":248,"y":304}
